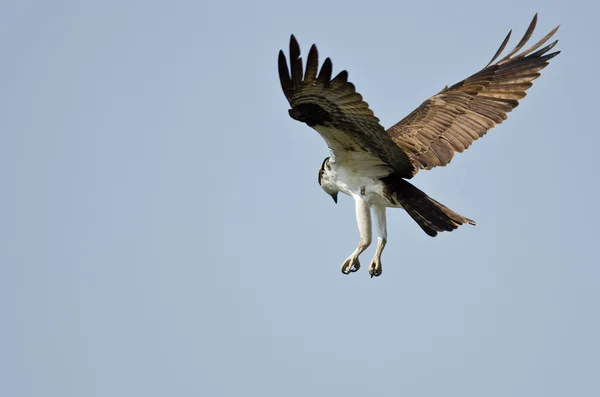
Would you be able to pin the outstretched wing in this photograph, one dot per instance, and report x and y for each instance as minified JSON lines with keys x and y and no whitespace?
{"x":450,"y":121}
{"x":334,"y":109}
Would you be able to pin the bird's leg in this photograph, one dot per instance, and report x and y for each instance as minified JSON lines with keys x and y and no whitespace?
{"x":375,"y":267}
{"x":363,"y":218}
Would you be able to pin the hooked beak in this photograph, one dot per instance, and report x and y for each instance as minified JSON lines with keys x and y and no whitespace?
{"x":334,"y":197}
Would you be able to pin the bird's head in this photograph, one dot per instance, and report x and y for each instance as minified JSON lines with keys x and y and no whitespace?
{"x":326,"y":181}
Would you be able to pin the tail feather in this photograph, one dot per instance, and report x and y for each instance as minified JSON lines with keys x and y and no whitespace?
{"x":431,"y":215}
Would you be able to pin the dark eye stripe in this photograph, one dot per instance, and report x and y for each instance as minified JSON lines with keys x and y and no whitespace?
{"x":322,"y":169}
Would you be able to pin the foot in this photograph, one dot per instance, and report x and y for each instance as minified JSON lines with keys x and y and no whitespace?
{"x":350,"y":265}
{"x":375,"y":267}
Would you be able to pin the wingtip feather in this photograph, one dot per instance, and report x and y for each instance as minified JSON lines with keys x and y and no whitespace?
{"x":295,"y":62}
{"x":284,"y":74}
{"x":326,"y":70}
{"x":500,"y":49}
{"x":312,"y":64}
{"x":523,"y":41}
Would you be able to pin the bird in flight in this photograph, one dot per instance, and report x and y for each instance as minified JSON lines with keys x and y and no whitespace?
{"x":372,"y":164}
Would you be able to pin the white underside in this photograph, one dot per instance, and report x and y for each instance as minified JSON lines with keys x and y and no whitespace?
{"x":358,"y":177}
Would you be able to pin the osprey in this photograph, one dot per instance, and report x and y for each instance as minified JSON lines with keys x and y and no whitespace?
{"x":372,"y":165}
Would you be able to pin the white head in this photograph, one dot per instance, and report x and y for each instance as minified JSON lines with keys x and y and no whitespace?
{"x":326,"y":180}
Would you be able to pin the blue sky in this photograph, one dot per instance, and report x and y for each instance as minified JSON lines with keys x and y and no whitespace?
{"x":164,"y":234}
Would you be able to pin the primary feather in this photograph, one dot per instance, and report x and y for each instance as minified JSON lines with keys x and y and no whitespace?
{"x":453,"y":119}
{"x":429,"y":136}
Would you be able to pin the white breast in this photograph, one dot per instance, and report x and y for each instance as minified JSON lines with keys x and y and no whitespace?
{"x":358,"y":182}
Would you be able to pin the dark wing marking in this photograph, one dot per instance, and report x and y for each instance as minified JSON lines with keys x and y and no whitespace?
{"x":337,"y":111}
{"x":450,"y":121}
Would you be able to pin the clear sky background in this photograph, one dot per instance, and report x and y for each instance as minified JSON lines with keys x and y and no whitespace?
{"x":163,"y":233}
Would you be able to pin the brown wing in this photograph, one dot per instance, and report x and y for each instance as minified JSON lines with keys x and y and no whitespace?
{"x":338,"y":113}
{"x":450,"y":121}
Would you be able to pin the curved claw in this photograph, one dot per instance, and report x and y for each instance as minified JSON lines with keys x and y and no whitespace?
{"x":350,"y":265}
{"x":375,"y":269}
